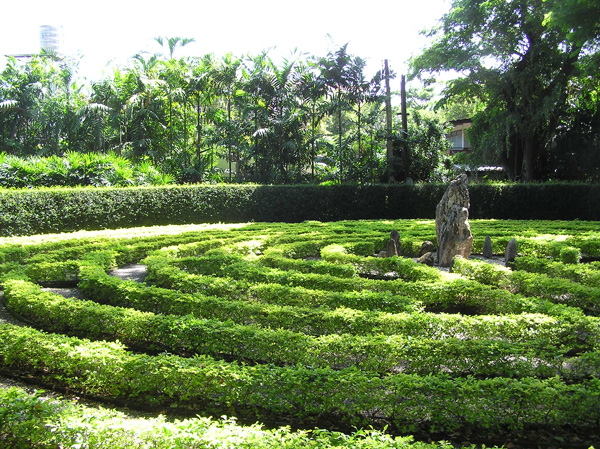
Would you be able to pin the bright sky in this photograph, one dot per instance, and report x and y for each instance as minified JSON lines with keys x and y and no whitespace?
{"x":114,"y":30}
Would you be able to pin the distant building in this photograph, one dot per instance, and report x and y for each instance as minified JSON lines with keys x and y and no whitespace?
{"x":458,"y":136}
{"x":50,"y":38}
{"x":50,"y":41}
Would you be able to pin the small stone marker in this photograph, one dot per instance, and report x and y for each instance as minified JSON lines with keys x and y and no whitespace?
{"x":511,"y":252}
{"x":391,"y":249}
{"x":426,"y":247}
{"x":452,"y":223}
{"x":395,"y":236}
{"x":427,"y":259}
{"x":487,"y":248}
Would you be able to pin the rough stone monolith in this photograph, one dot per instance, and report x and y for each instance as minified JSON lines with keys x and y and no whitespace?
{"x":452,"y":223}
{"x":427,"y":259}
{"x":391,"y":249}
{"x":427,"y":247}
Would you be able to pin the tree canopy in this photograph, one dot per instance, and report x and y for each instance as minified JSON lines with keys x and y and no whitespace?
{"x":531,"y":64}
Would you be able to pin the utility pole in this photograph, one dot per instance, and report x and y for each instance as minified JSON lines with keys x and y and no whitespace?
{"x":406,"y":150}
{"x":388,"y":124}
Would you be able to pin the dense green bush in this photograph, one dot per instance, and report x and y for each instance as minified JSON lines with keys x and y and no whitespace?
{"x":585,"y":274}
{"x":406,"y":402}
{"x":25,"y":212}
{"x":77,"y":169}
{"x":378,"y":354}
{"x":294,"y":288}
{"x":578,"y":332}
{"x":32,"y":419}
{"x":555,"y":289}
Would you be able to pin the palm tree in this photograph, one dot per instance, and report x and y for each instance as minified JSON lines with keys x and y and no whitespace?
{"x":226,"y":77}
{"x":172,"y":43}
{"x":312,"y":90}
{"x":335,"y":70}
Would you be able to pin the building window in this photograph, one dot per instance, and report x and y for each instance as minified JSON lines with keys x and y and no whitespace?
{"x":456,"y":137}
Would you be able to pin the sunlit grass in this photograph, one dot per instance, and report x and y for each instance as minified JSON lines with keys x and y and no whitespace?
{"x":123,"y":233}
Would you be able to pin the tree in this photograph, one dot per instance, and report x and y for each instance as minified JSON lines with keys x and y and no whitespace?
{"x":579,"y":19}
{"x":520,"y":60}
{"x":172,"y":43}
{"x":428,"y":147}
{"x":336,"y":71}
{"x":349,"y":92}
{"x":312,"y":91}
{"x":38,"y":106}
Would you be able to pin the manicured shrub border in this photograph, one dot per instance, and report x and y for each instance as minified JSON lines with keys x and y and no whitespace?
{"x":26,"y":212}
{"x":321,"y":320}
{"x":294,"y":288}
{"x":555,"y":289}
{"x":31,"y":419}
{"x":377,"y":354}
{"x":405,"y":402}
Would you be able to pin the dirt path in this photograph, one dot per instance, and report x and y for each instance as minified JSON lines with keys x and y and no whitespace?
{"x":132,"y":272}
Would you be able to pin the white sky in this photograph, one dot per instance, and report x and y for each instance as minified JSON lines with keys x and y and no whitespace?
{"x":117,"y":29}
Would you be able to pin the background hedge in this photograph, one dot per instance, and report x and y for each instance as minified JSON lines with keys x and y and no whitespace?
{"x":24,"y":212}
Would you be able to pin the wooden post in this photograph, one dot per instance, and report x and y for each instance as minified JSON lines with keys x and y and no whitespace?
{"x":388,"y":125}
{"x":406,"y":149}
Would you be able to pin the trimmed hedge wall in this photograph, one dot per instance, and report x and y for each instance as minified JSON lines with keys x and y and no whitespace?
{"x":26,"y":212}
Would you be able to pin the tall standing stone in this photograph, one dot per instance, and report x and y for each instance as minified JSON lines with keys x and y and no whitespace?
{"x":487,"y":248}
{"x":395,"y":236}
{"x":511,"y":252}
{"x":391,"y":249}
{"x":452,"y":223}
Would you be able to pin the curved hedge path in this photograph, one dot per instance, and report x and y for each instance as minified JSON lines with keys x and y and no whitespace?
{"x":299,"y":324}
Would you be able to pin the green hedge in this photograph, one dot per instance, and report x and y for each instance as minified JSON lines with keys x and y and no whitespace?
{"x":405,"y":403}
{"x":185,"y":335}
{"x":579,"y":332}
{"x":290,"y":363}
{"x":35,"y":420}
{"x":308,"y":289}
{"x":549,"y":287}
{"x":24,"y":212}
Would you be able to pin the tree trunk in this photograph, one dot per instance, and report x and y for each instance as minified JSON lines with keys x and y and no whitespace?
{"x":405,"y":149}
{"x":312,"y":143}
{"x":388,"y":127}
{"x":530,"y":155}
{"x":198,"y":129}
{"x":340,"y":134}
{"x":229,"y":155}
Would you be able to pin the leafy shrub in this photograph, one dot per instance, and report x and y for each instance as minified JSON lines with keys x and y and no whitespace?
{"x":570,"y":255}
{"x":108,"y":370}
{"x":35,"y":420}
{"x":189,"y":335}
{"x":23,"y":212}
{"x":486,"y":273}
{"x":254,"y":330}
{"x":77,"y":169}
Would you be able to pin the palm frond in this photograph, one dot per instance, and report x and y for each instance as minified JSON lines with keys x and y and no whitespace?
{"x":8,"y":104}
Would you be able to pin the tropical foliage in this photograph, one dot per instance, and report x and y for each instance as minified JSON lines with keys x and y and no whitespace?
{"x":206,"y":118}
{"x":533,"y":66}
{"x":77,"y":169}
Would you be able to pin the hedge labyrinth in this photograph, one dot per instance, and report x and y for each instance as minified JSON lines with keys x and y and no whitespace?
{"x":299,"y":324}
